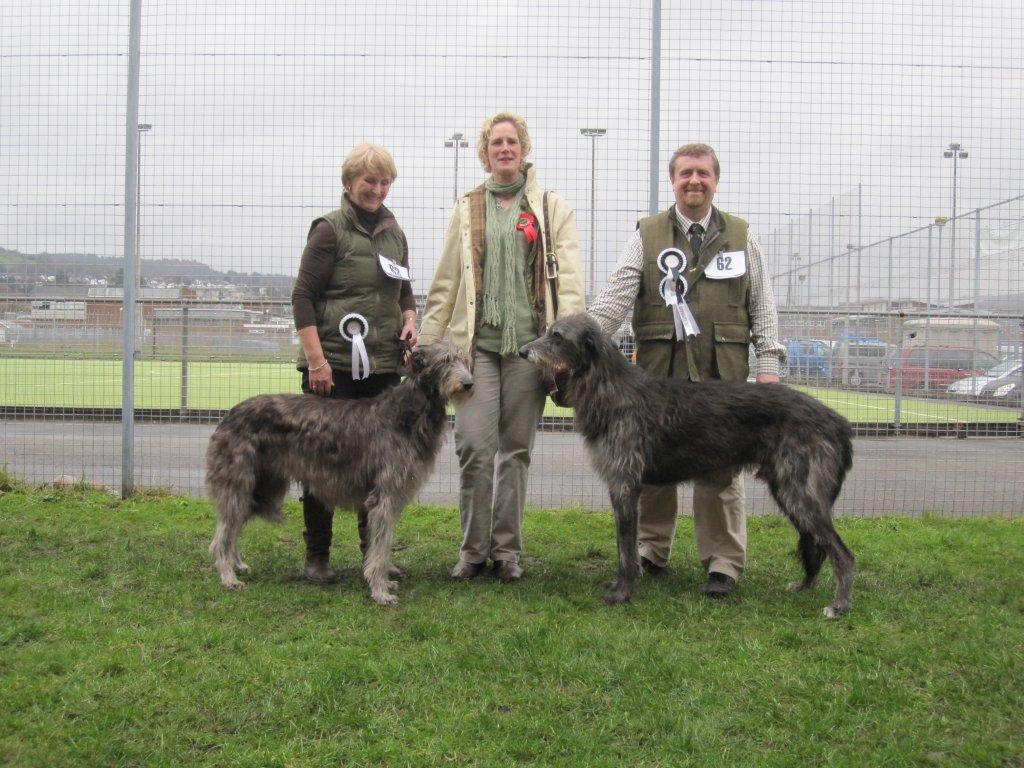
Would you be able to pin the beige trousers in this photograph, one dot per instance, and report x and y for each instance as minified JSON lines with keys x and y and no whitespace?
{"x":494,"y":433}
{"x":719,"y":523}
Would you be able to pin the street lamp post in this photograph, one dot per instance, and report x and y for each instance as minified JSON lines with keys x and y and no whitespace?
{"x":593,"y":134}
{"x":794,"y":272}
{"x":143,"y":128}
{"x":456,"y":141}
{"x":849,"y":312}
{"x":940,"y":222}
{"x":957,"y":153}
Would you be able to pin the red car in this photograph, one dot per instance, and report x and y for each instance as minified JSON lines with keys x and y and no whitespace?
{"x":939,"y":366}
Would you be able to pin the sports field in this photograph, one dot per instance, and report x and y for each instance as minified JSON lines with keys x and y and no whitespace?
{"x":60,"y":383}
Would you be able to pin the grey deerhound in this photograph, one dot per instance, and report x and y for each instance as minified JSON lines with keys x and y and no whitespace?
{"x":640,"y":428}
{"x":373,"y":453}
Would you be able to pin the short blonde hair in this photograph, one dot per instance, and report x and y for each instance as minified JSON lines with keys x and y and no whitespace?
{"x":368,"y":158}
{"x":485,"y":135}
{"x":694,"y":150}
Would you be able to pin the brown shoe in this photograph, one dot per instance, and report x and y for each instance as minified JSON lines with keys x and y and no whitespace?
{"x":318,"y":569}
{"x":464,"y":571}
{"x":508,"y":570}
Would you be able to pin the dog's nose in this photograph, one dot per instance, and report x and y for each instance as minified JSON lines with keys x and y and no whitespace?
{"x":467,"y":385}
{"x":523,"y":353}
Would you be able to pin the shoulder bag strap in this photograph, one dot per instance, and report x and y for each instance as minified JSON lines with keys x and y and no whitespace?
{"x":550,"y":260}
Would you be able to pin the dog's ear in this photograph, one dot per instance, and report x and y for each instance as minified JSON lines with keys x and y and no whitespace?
{"x":418,"y":359}
{"x":590,"y":341}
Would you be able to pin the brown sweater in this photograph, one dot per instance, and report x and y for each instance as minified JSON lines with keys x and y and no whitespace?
{"x":315,"y":271}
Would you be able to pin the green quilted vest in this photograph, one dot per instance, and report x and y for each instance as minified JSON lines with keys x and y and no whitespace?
{"x":358,"y":284}
{"x":721,"y":307}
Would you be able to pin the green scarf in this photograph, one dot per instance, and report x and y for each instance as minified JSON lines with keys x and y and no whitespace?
{"x":504,"y":278}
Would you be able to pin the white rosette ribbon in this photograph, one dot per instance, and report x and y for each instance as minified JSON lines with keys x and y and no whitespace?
{"x":354,"y":328}
{"x":673,"y":290}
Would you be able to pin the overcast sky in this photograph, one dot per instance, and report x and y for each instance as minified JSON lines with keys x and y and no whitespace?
{"x":254,"y":105}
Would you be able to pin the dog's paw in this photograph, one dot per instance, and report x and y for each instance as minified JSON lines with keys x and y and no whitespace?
{"x":241,"y":567}
{"x":796,"y":586}
{"x":835,"y":611}
{"x":232,"y":584}
{"x":396,"y":573}
{"x":384,"y":598}
{"x":616,"y":598}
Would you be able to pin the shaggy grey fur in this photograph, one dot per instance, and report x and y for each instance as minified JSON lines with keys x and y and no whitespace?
{"x":374,"y":453}
{"x":641,"y":429}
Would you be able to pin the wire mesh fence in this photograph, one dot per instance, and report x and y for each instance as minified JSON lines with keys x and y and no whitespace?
{"x":895,"y":257}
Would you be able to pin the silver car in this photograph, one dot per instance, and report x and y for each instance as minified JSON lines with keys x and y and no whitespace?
{"x":972,"y":386}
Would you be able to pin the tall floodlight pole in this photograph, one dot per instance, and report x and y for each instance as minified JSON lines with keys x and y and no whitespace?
{"x":593,"y":134}
{"x":456,"y":141}
{"x":849,"y":312}
{"x":957,"y":153}
{"x":653,"y":176}
{"x":794,"y":277}
{"x":143,"y":128}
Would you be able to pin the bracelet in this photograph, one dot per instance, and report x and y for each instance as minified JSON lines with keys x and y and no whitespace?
{"x":319,"y":367}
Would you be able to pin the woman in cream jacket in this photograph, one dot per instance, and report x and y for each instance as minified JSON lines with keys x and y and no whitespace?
{"x":495,"y":289}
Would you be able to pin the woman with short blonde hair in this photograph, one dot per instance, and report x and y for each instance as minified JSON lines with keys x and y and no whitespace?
{"x":354,"y":312}
{"x":368,"y":158}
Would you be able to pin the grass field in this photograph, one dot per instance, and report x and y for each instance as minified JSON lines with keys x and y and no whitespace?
{"x":218,"y":385}
{"x":118,"y":647}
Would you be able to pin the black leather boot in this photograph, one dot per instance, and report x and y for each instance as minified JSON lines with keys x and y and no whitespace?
{"x":317,"y":535}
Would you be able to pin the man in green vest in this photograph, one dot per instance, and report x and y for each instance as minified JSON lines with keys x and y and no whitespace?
{"x":729,"y":295}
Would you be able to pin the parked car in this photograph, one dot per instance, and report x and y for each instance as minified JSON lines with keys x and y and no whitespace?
{"x":939,"y":366}
{"x":1004,"y":391}
{"x":972,"y":385}
{"x":808,"y":359}
{"x":861,"y":363}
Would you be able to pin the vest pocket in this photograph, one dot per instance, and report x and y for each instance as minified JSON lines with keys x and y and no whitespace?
{"x":732,"y":343}
{"x":654,"y":331}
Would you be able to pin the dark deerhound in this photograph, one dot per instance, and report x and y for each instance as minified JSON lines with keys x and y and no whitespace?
{"x":640,"y":428}
{"x":373,"y":453}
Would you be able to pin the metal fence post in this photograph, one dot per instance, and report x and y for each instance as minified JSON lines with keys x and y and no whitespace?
{"x":184,"y":360}
{"x":889,"y":290}
{"x":831,"y":250}
{"x":131,"y":255}
{"x":1021,"y":417}
{"x":810,"y":254}
{"x":860,"y":241}
{"x":977,"y":291}
{"x":928,"y":311}
{"x":652,"y":191}
{"x":897,"y":405}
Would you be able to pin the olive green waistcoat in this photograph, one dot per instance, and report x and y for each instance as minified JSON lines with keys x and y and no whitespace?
{"x":720,"y":307}
{"x":358,"y":284}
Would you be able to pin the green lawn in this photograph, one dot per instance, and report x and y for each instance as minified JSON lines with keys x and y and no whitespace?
{"x":118,"y":647}
{"x":74,"y":383}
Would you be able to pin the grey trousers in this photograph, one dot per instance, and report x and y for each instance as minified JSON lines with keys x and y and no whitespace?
{"x":719,"y":523}
{"x":494,"y":431}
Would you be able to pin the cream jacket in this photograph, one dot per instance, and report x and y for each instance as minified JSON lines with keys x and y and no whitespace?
{"x":451,"y":302}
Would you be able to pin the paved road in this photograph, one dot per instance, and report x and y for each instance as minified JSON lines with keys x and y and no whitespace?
{"x":904,"y":476}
